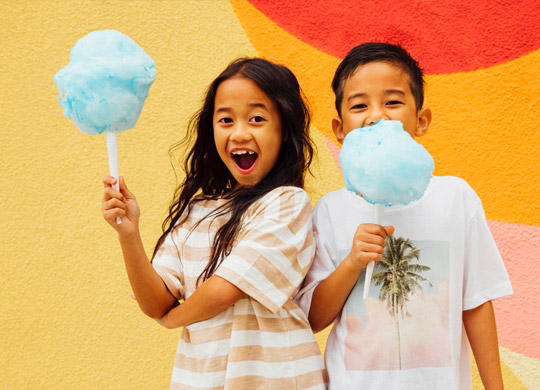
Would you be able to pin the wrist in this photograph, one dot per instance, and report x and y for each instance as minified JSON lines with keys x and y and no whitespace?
{"x":129,"y":237}
{"x":351,"y":266}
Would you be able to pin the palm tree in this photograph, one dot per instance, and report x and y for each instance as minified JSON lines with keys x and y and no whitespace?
{"x":399,"y":278}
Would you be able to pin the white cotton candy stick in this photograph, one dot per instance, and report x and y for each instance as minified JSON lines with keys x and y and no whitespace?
{"x":379,"y":213}
{"x":112,"y":151}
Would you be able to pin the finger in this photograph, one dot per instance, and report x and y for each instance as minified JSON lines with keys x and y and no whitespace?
{"x":111,"y":215}
{"x":123,"y":188}
{"x":370,"y":239}
{"x":371,"y":248}
{"x":371,"y":228}
{"x":389,"y":230}
{"x":114,"y":203}
{"x":108,"y":181}
{"x":371,"y":256}
{"x":111,"y":193}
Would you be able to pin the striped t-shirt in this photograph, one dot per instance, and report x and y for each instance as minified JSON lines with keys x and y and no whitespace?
{"x":263,"y":341}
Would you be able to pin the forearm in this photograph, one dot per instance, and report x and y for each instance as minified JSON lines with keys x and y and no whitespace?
{"x":152,"y":295}
{"x":481,"y":331}
{"x":211,"y":298}
{"x":331,"y":294}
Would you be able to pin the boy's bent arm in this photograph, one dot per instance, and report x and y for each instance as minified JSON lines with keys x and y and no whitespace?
{"x":482,"y":334}
{"x":330,"y":295}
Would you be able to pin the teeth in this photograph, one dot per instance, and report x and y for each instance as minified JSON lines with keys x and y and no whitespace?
{"x":240,"y":152}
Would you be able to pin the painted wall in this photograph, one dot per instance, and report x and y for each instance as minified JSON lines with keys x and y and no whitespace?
{"x":66,"y":318}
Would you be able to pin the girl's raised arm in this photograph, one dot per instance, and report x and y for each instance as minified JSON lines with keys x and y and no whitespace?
{"x":152,"y":295}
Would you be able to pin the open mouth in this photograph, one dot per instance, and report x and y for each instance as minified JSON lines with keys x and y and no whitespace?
{"x":244,"y":159}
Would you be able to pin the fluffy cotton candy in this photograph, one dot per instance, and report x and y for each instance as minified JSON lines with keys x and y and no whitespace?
{"x":385,"y":164}
{"x":105,"y":84}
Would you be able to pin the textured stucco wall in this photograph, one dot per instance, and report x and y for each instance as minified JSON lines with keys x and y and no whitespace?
{"x":66,"y":319}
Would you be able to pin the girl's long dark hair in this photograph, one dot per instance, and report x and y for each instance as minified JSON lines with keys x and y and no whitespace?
{"x":207,"y":177}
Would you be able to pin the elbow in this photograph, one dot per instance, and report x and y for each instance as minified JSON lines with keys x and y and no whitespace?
{"x":223,"y":294}
{"x":317,"y":324}
{"x":226,"y":298}
{"x":154,"y":312}
{"x":315,"y":327}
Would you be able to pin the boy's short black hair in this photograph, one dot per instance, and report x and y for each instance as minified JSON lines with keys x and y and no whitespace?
{"x":377,"y":51}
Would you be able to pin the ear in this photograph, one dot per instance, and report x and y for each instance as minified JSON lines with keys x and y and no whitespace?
{"x":423,"y":121}
{"x":337,"y":126}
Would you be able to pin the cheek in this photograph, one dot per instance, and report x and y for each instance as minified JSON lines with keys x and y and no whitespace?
{"x":220,"y":144}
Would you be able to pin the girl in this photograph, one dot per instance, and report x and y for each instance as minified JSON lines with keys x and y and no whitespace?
{"x":237,"y":241}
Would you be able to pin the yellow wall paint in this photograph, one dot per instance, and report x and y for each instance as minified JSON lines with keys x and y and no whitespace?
{"x":66,"y":318}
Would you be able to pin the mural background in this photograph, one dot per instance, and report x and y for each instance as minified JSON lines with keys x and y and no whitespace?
{"x":66,"y":317}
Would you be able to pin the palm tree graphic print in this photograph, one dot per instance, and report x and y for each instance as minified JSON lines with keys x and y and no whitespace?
{"x":399,"y":278}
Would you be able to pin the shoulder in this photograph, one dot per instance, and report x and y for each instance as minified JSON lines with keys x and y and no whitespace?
{"x":280,"y":202}
{"x":335,"y":197}
{"x":455,"y":194}
{"x":335,"y":202}
{"x":454,"y":186}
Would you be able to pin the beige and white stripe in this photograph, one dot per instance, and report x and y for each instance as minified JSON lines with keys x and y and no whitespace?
{"x":263,"y":341}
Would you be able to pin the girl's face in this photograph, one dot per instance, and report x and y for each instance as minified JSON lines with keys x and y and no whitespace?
{"x":247,"y":130}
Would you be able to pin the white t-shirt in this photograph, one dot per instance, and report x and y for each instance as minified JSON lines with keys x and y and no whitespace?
{"x":448,"y":262}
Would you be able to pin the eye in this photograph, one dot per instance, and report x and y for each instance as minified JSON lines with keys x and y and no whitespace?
{"x":225,"y":120}
{"x":393,"y":103}
{"x":257,"y":119}
{"x":359,"y":106}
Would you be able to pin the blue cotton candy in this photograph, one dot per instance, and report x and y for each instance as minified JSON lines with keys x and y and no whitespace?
{"x":385,"y":164}
{"x":105,"y":84}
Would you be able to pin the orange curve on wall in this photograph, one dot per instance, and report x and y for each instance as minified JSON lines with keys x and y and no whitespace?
{"x":472,"y":108}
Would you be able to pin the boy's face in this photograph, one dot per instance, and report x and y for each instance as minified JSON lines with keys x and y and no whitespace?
{"x":375,"y":91}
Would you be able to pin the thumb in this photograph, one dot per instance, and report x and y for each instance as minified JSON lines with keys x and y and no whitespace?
{"x":389,"y":230}
{"x":124,"y":190}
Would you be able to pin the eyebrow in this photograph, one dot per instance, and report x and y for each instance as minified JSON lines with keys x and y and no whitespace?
{"x":387,"y":92}
{"x":251,"y":105}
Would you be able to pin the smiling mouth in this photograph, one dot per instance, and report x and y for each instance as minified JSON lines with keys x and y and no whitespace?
{"x":244,"y":159}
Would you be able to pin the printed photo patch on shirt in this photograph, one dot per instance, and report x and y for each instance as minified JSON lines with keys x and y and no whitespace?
{"x":404,"y":323}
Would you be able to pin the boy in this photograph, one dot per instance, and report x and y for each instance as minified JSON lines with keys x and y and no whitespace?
{"x":432,"y":286}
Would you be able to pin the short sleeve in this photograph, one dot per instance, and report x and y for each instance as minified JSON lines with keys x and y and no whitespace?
{"x":274,"y":248}
{"x":325,"y":254}
{"x":485,"y":277}
{"x":167,"y":264}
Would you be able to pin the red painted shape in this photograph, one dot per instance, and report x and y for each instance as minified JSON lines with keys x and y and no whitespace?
{"x":445,"y":36}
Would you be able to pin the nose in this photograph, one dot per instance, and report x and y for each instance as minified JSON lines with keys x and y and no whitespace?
{"x":374,"y":116}
{"x":240,"y":133}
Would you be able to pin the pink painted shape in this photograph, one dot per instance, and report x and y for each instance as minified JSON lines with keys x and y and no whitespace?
{"x":518,"y":316}
{"x":334,"y":150}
